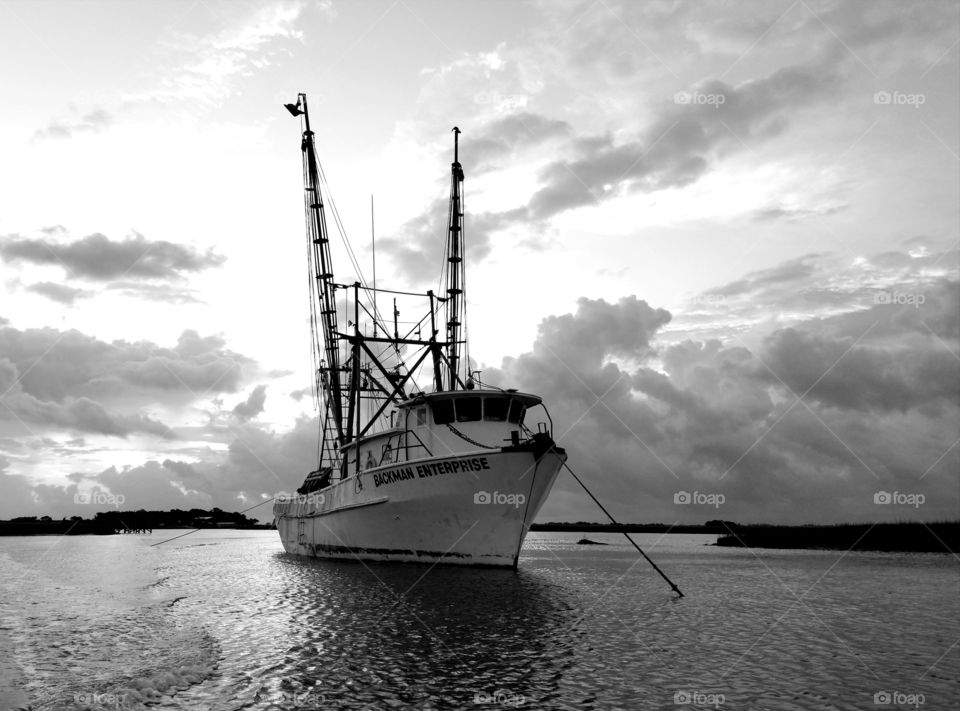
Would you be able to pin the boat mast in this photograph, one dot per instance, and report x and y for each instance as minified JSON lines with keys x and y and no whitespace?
{"x":455,"y":266}
{"x":318,"y":243}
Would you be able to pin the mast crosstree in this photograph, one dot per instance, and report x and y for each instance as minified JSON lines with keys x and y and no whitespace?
{"x":346,"y":379}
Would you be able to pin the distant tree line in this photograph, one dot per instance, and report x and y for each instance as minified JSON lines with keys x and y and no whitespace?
{"x":106,"y":522}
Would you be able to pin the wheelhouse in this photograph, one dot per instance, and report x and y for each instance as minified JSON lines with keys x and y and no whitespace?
{"x":465,"y":406}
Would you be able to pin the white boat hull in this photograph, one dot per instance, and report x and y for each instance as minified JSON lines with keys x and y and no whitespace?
{"x":471,"y":508}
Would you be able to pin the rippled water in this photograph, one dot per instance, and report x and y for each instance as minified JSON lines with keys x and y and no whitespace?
{"x":226,"y":620}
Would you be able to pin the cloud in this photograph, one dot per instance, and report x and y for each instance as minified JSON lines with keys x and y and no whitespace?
{"x":257,"y":466}
{"x":298,"y":395}
{"x":253,"y":405}
{"x":683,"y":141}
{"x":208,"y":68}
{"x":54,"y":365}
{"x":834,"y":288}
{"x":795,"y":214}
{"x":504,"y":136}
{"x":418,"y":248}
{"x":92,"y":122}
{"x":60,"y":293}
{"x":805,"y":426}
{"x":785,"y":275}
{"x":98,"y":258}
{"x":75,"y":414}
{"x":840,"y":373}
{"x":168,"y":293}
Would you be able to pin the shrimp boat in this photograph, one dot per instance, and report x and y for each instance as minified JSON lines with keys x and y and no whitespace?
{"x":418,"y":461}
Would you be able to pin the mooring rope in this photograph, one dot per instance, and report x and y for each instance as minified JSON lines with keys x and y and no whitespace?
{"x":632,"y":542}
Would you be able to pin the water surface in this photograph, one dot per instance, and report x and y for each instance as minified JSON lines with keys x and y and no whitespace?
{"x":226,"y":620}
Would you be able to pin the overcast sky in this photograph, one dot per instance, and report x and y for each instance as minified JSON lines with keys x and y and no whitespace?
{"x":720,"y":240}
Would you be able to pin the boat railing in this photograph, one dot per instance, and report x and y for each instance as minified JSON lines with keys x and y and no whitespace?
{"x":542,"y":427}
{"x":399,"y":442}
{"x":420,"y":444}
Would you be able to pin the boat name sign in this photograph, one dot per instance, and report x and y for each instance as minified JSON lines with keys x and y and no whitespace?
{"x":421,"y":471}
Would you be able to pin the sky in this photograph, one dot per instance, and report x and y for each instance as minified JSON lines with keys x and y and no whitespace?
{"x":719,"y":239}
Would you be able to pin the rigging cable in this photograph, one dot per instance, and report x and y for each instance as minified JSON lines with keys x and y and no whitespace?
{"x":375,"y":315}
{"x":463,"y":283}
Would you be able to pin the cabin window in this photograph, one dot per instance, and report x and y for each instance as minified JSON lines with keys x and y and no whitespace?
{"x":468,"y":409}
{"x":442,"y":411}
{"x":495,"y":409}
{"x":421,"y":416}
{"x":516,"y":412}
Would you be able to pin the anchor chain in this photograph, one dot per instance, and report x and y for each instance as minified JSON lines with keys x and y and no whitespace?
{"x":474,"y":442}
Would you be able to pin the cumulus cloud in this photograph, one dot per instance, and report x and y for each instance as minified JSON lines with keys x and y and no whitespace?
{"x":98,"y":258}
{"x":75,"y":414}
{"x":806,"y":425}
{"x":69,"y":379}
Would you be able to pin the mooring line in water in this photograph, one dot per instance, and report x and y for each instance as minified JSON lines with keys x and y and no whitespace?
{"x":160,"y":543}
{"x":626,"y":535}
